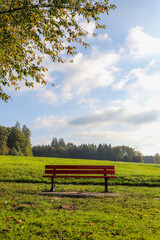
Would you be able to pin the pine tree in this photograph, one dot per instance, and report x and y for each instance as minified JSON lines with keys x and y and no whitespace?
{"x":27,"y":147}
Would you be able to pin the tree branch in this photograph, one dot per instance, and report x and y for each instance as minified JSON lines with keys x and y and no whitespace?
{"x":34,"y":6}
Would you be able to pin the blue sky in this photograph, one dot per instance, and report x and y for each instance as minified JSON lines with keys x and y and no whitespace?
{"x":109,"y":94}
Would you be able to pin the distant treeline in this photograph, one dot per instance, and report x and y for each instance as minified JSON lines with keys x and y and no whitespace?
{"x":15,"y":141}
{"x":58,"y":148}
{"x":149,"y":159}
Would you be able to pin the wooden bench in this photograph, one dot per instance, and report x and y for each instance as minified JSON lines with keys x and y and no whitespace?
{"x":79,"y":171}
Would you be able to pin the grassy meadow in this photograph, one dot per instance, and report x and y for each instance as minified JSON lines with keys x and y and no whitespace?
{"x":25,"y":214}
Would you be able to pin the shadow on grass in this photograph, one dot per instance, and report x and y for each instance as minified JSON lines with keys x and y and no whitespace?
{"x":22,"y":181}
{"x":120,"y":182}
{"x":57,"y":182}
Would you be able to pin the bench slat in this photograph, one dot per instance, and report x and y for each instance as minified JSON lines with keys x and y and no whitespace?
{"x":79,"y":171}
{"x":78,"y":176}
{"x":77,"y":167}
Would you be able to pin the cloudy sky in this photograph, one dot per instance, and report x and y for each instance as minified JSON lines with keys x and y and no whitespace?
{"x":110,"y":94}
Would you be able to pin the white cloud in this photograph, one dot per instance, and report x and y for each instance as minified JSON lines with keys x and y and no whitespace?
{"x":117,"y":115}
{"x":49,"y":122}
{"x":88,"y":27}
{"x":88,"y":73}
{"x":42,"y":140}
{"x":146,"y":80}
{"x":142,"y":44}
{"x":47,"y":96}
{"x":101,"y":134}
{"x":147,"y":138}
{"x":90,"y":102}
{"x":138,"y":79}
{"x":103,"y":37}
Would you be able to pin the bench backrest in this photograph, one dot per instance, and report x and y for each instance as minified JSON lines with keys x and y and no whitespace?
{"x":79,"y":171}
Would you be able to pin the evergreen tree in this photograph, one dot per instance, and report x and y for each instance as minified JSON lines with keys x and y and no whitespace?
{"x":62,"y":143}
{"x":27,"y":148}
{"x":13,"y":141}
{"x":18,"y":125}
{"x":54,"y":143}
{"x":16,"y":141}
{"x":4,"y":133}
{"x":102,"y":152}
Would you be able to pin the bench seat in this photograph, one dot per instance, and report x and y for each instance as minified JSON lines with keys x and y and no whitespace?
{"x":79,"y":171}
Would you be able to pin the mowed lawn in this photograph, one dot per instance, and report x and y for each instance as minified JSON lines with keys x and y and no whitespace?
{"x":26,"y":214}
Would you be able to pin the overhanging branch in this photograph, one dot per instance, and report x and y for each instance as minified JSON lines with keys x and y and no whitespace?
{"x":34,"y":6}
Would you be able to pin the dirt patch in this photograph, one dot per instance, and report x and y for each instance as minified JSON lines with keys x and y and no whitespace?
{"x":80,"y":194}
{"x":68,"y":207}
{"x":21,"y":206}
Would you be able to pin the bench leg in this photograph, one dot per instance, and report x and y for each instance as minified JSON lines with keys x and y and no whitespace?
{"x":52,"y":184}
{"x":106,"y":185}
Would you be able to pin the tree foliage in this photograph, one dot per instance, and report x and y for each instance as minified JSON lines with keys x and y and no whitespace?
{"x":4,"y":133}
{"x":29,"y":29}
{"x":14,"y":141}
{"x":156,"y":158}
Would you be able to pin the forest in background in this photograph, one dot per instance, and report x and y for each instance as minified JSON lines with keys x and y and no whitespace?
{"x":17,"y":141}
{"x":58,"y":148}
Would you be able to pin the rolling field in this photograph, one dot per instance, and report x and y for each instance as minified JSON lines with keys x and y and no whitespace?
{"x":25,"y":214}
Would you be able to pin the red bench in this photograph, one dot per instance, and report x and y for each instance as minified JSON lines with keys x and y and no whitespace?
{"x":79,"y":171}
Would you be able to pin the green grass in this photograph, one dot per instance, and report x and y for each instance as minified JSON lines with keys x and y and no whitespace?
{"x":25,"y":214}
